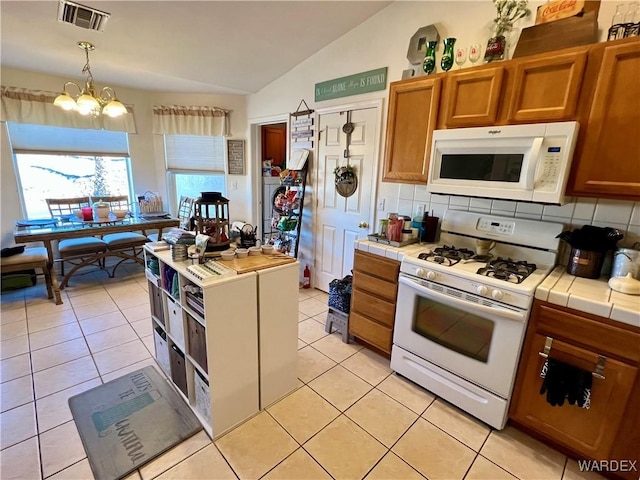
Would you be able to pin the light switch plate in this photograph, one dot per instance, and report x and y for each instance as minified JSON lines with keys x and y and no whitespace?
{"x":381,"y":204}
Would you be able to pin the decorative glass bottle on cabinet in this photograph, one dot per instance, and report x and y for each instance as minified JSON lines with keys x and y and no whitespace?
{"x":429,"y":63}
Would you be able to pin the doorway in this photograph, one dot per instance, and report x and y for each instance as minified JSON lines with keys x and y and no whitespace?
{"x":341,"y":220}
{"x":273,"y":156}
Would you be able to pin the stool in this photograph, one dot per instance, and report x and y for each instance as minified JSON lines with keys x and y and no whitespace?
{"x":33,"y":257}
{"x":340,"y":321}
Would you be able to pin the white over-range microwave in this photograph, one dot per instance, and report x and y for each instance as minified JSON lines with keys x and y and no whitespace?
{"x":515,"y":162}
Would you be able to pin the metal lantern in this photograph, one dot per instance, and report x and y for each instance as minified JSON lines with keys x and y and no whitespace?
{"x":212,"y":218}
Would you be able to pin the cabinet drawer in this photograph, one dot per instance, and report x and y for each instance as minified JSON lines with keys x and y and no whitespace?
{"x":155,"y":299}
{"x":579,"y":329}
{"x":176,"y":328}
{"x":373,"y":307}
{"x":178,"y":368}
{"x":376,"y":266}
{"x":376,"y":286}
{"x":370,"y":331}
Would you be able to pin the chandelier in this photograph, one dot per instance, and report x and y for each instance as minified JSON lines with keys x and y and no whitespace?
{"x":89,"y":101}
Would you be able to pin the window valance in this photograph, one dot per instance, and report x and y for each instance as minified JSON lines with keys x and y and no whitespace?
{"x":22,"y":105}
{"x":190,"y":120}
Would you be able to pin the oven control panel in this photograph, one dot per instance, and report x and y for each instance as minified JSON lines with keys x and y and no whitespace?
{"x":493,"y":225}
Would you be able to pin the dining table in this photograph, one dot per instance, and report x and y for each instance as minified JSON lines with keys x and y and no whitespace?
{"x":50,"y":231}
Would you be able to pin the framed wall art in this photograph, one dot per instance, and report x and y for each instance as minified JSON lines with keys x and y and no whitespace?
{"x":235,"y":157}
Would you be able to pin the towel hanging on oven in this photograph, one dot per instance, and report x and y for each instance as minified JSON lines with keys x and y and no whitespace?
{"x":563,"y":381}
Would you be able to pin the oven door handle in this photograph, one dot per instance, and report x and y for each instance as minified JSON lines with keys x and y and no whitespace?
{"x":477,"y":308}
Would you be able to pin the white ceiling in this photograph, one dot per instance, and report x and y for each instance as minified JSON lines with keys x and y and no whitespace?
{"x":179,"y":46}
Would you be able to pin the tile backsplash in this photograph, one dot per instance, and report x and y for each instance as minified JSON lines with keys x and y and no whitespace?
{"x":623,"y":215}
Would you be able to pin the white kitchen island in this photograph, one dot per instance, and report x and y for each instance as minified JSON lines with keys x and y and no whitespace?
{"x":228,"y":343}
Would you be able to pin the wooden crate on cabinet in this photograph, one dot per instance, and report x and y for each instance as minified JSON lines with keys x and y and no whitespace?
{"x":412,"y":115}
{"x":607,"y":159}
{"x":610,"y":427}
{"x":373,"y":300}
{"x":471,"y":97}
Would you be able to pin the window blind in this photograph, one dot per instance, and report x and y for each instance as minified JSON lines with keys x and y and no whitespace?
{"x":194,"y":152}
{"x":26,"y":137}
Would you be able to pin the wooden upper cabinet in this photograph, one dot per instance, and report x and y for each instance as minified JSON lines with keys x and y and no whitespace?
{"x":472,"y":98}
{"x":413,"y":111}
{"x":546,"y":89}
{"x":607,"y":164}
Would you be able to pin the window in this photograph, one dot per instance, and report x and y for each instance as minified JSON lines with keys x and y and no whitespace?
{"x":55,"y":162}
{"x":195,"y":164}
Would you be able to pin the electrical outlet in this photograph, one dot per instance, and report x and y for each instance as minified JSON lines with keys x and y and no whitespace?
{"x":420,"y":209}
{"x":234,"y":185}
{"x":381,"y":204}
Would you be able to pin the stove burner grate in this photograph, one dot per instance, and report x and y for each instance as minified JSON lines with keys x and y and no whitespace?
{"x":450,"y":256}
{"x":507,"y":269}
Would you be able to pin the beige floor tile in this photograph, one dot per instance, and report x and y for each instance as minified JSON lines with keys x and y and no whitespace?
{"x":256,"y":446}
{"x":46,"y":308}
{"x":175,"y":455}
{"x":95,"y":296}
{"x":149,"y":342}
{"x":147,"y":362}
{"x":111,"y":338}
{"x":143,"y":328}
{"x":14,"y":346}
{"x":297,"y":466}
{"x":312,"y":307}
{"x":21,"y":461}
{"x":58,"y":354}
{"x":321,"y":296}
{"x":121,"y":356}
{"x":132,"y":299}
{"x":95,"y":309}
{"x":53,"y":410}
{"x":345,"y":450}
{"x":13,"y":329}
{"x":17,"y":425}
{"x":124,"y":288}
{"x":340,"y":387}
{"x":369,"y":366}
{"x":12,"y":315}
{"x":572,"y":472}
{"x":433,"y":453}
{"x":60,"y":447}
{"x":15,"y":367}
{"x":54,"y":336}
{"x":15,"y":393}
{"x":312,"y":363}
{"x":523,"y":456}
{"x":302,"y":316}
{"x":392,"y":467}
{"x":483,"y":469}
{"x":303,"y":413}
{"x":206,"y":463}
{"x":407,"y":393}
{"x":102,"y":322}
{"x":63,"y":376}
{"x":301,"y":344}
{"x":139,"y":312}
{"x":79,"y":288}
{"x":78,"y":471}
{"x":457,"y":423}
{"x":55,"y":319}
{"x":309,"y":330}
{"x":334,"y":348}
{"x":382,"y":417}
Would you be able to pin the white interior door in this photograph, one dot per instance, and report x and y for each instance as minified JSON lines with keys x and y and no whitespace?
{"x":340,"y":221}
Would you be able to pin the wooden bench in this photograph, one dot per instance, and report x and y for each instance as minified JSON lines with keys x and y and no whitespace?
{"x":33,"y":258}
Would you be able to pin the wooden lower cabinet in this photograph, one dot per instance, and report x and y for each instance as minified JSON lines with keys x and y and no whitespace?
{"x":609,"y":429}
{"x":373,"y":300}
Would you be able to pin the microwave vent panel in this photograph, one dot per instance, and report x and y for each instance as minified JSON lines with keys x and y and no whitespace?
{"x":82,"y":16}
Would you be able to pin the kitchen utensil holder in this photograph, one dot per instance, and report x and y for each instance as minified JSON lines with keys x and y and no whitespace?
{"x":598,"y":373}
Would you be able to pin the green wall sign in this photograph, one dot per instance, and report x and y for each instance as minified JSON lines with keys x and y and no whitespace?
{"x":364,"y":82}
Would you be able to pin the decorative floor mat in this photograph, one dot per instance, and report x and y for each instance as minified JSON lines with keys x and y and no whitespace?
{"x":128,"y":421}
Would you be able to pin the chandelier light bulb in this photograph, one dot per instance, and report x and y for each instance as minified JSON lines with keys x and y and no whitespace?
{"x":114,"y":108}
{"x":65,"y":101}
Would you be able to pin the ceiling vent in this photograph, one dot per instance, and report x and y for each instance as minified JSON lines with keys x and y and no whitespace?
{"x":82,"y":16}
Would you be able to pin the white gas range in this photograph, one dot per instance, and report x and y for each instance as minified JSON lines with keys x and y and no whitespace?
{"x":461,"y":318}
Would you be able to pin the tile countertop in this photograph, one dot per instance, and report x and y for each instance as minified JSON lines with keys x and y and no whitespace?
{"x":589,"y":295}
{"x":394,"y":253}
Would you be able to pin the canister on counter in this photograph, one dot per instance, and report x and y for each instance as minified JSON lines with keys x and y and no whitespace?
{"x":384,"y":223}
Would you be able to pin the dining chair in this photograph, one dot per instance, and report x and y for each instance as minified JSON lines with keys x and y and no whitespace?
{"x":185,"y":211}
{"x":74,"y":250}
